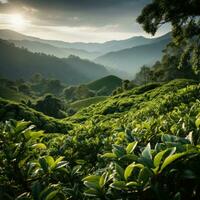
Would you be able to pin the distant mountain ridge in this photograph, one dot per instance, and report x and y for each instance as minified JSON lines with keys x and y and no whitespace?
{"x":132,"y":59}
{"x":19,"y":63}
{"x":123,"y":58}
{"x":113,"y":45}
{"x":36,"y":46}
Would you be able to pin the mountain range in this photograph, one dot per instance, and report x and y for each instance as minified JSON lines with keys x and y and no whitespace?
{"x":132,"y":59}
{"x":19,"y":63}
{"x":122,"y":58}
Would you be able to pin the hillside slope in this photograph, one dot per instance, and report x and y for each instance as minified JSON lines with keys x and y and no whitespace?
{"x":149,"y":110}
{"x":40,"y":47}
{"x":108,"y":84}
{"x":18,"y":111}
{"x":19,"y":63}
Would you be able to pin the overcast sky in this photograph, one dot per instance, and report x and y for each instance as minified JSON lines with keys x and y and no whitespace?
{"x":74,"y":20}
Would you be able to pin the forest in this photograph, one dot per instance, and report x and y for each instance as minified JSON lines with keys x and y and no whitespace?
{"x":75,"y":126}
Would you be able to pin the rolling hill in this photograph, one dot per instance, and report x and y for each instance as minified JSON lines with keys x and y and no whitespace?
{"x":77,"y":105}
{"x":131,"y":59}
{"x":19,"y":63}
{"x":106,"y":84}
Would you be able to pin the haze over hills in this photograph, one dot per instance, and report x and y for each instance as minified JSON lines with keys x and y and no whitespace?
{"x":36,"y":46}
{"x":130,"y":60}
{"x":122,"y":58}
{"x":19,"y":63}
{"x":101,"y":48}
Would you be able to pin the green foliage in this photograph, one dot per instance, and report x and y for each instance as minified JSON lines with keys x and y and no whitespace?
{"x":144,"y":76}
{"x":80,"y":92}
{"x":50,"y":106}
{"x":146,"y":173}
{"x":130,"y":146}
{"x":77,"y":105}
{"x":106,"y":85}
{"x":29,"y":171}
{"x":184,"y":18}
{"x":18,"y":111}
{"x":12,"y":94}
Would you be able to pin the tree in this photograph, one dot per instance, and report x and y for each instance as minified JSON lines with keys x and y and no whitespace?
{"x":54,"y":86}
{"x":144,"y":76}
{"x":51,"y":106}
{"x":24,"y":88}
{"x":36,"y":78}
{"x":184,"y":17}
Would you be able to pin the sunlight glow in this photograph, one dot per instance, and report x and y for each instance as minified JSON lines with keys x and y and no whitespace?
{"x":17,"y":20}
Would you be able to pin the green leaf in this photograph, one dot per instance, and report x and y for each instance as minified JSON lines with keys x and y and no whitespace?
{"x":197,"y":122}
{"x":158,"y":158}
{"x":171,"y":159}
{"x":36,"y":189}
{"x":43,"y":164}
{"x":91,"y":192}
{"x":109,"y":155}
{"x":118,"y":151}
{"x":50,"y":161}
{"x":61,"y":164}
{"x":169,"y":138}
{"x":92,"y":178}
{"x":80,"y":162}
{"x":128,"y":171}
{"x":103,"y":179}
{"x":119,"y":185}
{"x":120,"y":171}
{"x":130,"y":168}
{"x":34,"y":134}
{"x":39,"y":146}
{"x":147,"y":152}
{"x":144,"y":175}
{"x":22,"y":162}
{"x":91,"y":184}
{"x":132,"y":183}
{"x":58,"y":160}
{"x":52,"y":195}
{"x":131,"y":147}
{"x":21,"y":125}
{"x":177,"y":196}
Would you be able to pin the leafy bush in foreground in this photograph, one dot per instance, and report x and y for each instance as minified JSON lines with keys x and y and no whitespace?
{"x":27,"y":168}
{"x":33,"y":165}
{"x":168,"y":171}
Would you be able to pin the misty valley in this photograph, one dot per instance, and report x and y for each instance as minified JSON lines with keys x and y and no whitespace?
{"x":100,"y":100}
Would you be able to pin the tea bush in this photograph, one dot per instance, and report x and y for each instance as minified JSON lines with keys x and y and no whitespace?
{"x":146,"y":148}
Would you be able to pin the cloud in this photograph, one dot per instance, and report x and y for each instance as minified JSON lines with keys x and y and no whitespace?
{"x":104,"y":19}
{"x":3,"y":1}
{"x":78,"y":12}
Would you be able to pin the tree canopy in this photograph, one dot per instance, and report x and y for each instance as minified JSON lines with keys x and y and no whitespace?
{"x":184,"y":17}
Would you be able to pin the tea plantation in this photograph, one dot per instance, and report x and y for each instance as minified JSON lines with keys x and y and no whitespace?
{"x":142,"y":144}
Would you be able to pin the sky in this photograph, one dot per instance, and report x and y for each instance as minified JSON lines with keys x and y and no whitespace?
{"x":74,"y":20}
